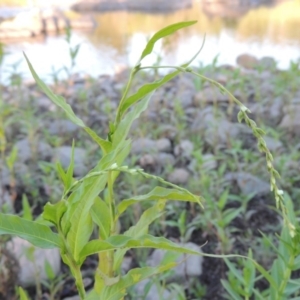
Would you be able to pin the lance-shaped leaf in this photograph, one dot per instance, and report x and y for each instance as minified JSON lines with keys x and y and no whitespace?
{"x":101,"y":216}
{"x":121,"y":242}
{"x":54,"y":212}
{"x":118,"y":290}
{"x":61,"y":102}
{"x":145,"y":90}
{"x":158,"y":193}
{"x":124,"y":126}
{"x":141,"y":228}
{"x":37,"y":234}
{"x":163,"y":33}
{"x":81,"y":224}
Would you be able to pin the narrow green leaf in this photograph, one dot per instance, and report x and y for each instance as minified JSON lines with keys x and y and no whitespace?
{"x":141,"y":228}
{"x":70,"y":171}
{"x":158,"y":193}
{"x":163,"y":33}
{"x":61,"y":173}
{"x":145,"y":90}
{"x":81,"y":224}
{"x":121,"y":242}
{"x":61,"y":102}
{"x":118,"y":290}
{"x":49,"y":271}
{"x":230,"y":290}
{"x":37,"y":234}
{"x":101,"y":216}
{"x":27,"y":214}
{"x":267,"y":275}
{"x":54,"y":212}
{"x":124,"y":126}
{"x":22,"y":293}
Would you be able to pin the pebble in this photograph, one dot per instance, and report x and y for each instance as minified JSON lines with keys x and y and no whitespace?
{"x":29,"y":268}
{"x":179,"y":176}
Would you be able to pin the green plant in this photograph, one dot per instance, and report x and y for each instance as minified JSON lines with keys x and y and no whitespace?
{"x":241,"y":285}
{"x":90,"y":201}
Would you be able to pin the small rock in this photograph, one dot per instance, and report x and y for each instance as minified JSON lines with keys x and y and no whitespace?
{"x":189,"y":266}
{"x":267,"y":62}
{"x":186,"y":98}
{"x":165,"y":159}
{"x":62,"y":127}
{"x":291,"y":119}
{"x":163,"y":145}
{"x":126,"y":264}
{"x":179,"y":176}
{"x":155,"y":292}
{"x":30,"y":150}
{"x":28,"y":268}
{"x":248,"y":183}
{"x":147,"y":160}
{"x":205,"y":118}
{"x":273,"y":144}
{"x":6,"y":203}
{"x":220,"y":133}
{"x":210,"y":95}
{"x":143,"y":145}
{"x":209,"y":162}
{"x":247,"y":61}
{"x":63,"y":155}
{"x":184,"y":148}
{"x":8,"y":274}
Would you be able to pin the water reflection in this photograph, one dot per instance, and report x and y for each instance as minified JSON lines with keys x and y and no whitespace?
{"x":120,"y":37}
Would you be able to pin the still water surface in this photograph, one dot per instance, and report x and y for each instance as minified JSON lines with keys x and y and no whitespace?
{"x":120,"y":37}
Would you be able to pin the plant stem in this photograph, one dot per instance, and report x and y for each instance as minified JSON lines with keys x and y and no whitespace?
{"x":286,"y":277}
{"x":118,"y":117}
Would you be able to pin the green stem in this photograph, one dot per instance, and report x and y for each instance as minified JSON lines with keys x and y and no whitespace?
{"x":286,"y":277}
{"x":112,"y":207}
{"x":75,"y":269}
{"x":119,"y":112}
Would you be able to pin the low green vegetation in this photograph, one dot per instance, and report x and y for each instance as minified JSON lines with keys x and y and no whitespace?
{"x":183,"y":160}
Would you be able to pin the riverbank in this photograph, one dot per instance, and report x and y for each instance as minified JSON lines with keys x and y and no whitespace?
{"x":189,"y":135}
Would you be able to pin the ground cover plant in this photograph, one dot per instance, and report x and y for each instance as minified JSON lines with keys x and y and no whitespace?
{"x":91,"y":201}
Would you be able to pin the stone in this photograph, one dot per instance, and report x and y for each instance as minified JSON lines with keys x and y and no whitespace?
{"x":209,"y":95}
{"x":152,"y":6}
{"x":205,"y":118}
{"x":30,"y":268}
{"x":63,"y":155}
{"x":8,"y":274}
{"x":267,"y":62}
{"x":291,"y":119}
{"x":271,"y":112}
{"x":62,"y":127}
{"x":247,"y":61}
{"x":163,"y":145}
{"x":248,"y":183}
{"x":185,"y":98}
{"x":189,"y":265}
{"x":156,"y":292}
{"x":33,"y":150}
{"x":209,"y":162}
{"x":220,"y":133}
{"x":143,"y":145}
{"x":179,"y":176}
{"x":6,"y":203}
{"x":274,"y":145}
{"x":164,"y":159}
{"x":185,"y":148}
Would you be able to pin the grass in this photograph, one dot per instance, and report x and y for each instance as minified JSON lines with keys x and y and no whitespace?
{"x":230,"y":223}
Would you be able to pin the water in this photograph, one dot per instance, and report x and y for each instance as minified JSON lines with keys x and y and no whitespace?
{"x":120,"y":37}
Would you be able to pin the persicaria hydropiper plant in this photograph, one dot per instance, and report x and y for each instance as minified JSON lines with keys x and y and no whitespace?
{"x":83,"y":206}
